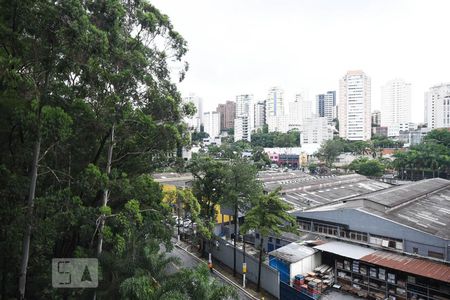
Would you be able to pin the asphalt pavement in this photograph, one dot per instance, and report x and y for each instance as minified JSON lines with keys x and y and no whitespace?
{"x":189,"y":260}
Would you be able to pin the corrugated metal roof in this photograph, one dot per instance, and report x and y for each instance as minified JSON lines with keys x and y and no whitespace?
{"x":422,"y":205}
{"x":345,"y":249}
{"x":398,"y":195}
{"x":430,"y":213}
{"x":292,"y":252}
{"x":417,"y":266}
{"x":311,"y":192}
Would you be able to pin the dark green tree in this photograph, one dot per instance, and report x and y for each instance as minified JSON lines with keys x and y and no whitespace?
{"x":367,"y":167}
{"x":268,"y":215}
{"x":330,"y":150}
{"x":208,"y":187}
{"x":88,"y":109}
{"x":241,"y":187}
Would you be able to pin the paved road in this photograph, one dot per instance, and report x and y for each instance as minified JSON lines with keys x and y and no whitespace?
{"x":187,"y":261}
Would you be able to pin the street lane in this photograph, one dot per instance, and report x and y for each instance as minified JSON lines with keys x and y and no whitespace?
{"x":188,"y":261}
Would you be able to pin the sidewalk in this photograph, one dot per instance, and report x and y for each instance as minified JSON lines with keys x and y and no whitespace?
{"x":228,"y":273}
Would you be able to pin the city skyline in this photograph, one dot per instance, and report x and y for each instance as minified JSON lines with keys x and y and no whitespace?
{"x":250,"y":46}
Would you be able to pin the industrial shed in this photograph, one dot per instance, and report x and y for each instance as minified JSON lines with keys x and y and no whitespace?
{"x":412,"y":218}
{"x":294,"y":259}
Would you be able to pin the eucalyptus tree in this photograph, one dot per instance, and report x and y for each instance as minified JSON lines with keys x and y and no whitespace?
{"x":88,"y":106}
{"x":41,"y":42}
{"x":209,"y":187}
{"x":241,"y":187}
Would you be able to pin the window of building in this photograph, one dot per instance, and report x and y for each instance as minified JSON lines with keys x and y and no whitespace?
{"x":435,"y":254}
{"x":415,"y":250}
{"x":270,"y":239}
{"x":257,"y":235}
{"x":277,"y":241}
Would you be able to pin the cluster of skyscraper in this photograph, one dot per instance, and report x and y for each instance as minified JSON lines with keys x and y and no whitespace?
{"x":351,"y":116}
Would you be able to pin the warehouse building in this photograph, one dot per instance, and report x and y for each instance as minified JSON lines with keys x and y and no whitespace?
{"x":412,"y":218}
{"x":387,"y":244}
{"x":293,"y":259}
{"x":379,"y":274}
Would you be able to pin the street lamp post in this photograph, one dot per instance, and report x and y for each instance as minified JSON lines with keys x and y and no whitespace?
{"x":244,"y":264}
{"x":178,"y":219}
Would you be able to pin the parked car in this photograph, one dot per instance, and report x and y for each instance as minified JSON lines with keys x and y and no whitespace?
{"x":186,"y":223}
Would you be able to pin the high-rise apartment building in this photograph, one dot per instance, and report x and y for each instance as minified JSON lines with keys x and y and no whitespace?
{"x":243,"y":124}
{"x":274,"y":103}
{"x":195,"y":121}
{"x":260,"y":114}
{"x":278,"y":123}
{"x":376,"y":118}
{"x":295,"y":115}
{"x":306,"y":106}
{"x":326,"y":104}
{"x":211,"y":123}
{"x":437,"y":106}
{"x":354,"y":106}
{"x":395,"y":105}
{"x":315,"y":130}
{"x":227,"y":113}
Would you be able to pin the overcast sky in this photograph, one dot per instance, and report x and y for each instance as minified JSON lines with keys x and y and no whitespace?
{"x":248,"y":46}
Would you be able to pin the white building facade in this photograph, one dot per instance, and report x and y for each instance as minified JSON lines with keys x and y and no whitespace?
{"x":315,"y":130}
{"x":274,"y":103}
{"x":211,"y":123}
{"x":354,"y":106}
{"x":195,"y":121}
{"x":278,"y":123}
{"x":437,"y":106}
{"x":395,"y":105}
{"x":243,"y":124}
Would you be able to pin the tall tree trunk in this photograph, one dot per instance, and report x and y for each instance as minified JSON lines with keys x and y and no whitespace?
{"x":105,"y":198}
{"x":105,"y":193}
{"x":235,"y":236}
{"x":29,"y":220}
{"x":261,"y":249}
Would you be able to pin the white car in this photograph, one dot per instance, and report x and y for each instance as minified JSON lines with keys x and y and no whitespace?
{"x":186,"y":223}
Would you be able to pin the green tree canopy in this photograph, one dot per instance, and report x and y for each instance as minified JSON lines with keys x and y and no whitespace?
{"x":367,"y":167}
{"x":268,"y":215}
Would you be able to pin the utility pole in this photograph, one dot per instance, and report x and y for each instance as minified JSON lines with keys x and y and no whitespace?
{"x":244,"y":264}
{"x":178,"y":213}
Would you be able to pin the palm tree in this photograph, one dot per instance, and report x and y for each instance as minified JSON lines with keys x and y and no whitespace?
{"x":269,"y":215}
{"x":140,"y":273}
{"x":194,"y":284}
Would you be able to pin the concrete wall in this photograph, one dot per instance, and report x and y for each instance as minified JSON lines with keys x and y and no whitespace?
{"x":364,"y":222}
{"x":270,"y":280}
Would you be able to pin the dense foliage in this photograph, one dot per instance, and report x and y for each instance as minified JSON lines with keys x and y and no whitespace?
{"x":87,"y":111}
{"x":367,"y":167}
{"x":331,"y":149}
{"x":268,"y":215}
{"x":428,"y":159}
{"x":276,"y":139}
